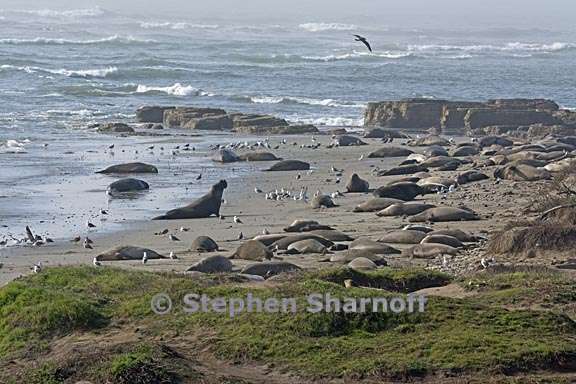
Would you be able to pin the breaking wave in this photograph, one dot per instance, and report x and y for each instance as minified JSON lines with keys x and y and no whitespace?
{"x":509,"y":47}
{"x":85,"y":73}
{"x":320,"y":27}
{"x":337,"y":121}
{"x":176,"y":25}
{"x":115,"y":39}
{"x":174,"y":90}
{"x":71,"y":13}
{"x":304,"y":101}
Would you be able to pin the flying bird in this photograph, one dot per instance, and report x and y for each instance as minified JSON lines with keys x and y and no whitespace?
{"x":363,"y":40}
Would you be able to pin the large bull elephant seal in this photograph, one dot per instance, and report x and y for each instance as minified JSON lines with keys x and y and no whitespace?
{"x":206,"y":206}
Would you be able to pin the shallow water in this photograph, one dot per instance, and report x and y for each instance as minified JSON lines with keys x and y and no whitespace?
{"x":63,"y":70}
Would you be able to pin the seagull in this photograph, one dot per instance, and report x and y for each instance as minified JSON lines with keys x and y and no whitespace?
{"x":37,"y":268}
{"x":87,"y":245}
{"x":237,"y":220}
{"x":444,"y":261}
{"x":182,"y":229}
{"x":485,"y":264}
{"x":265,"y":232}
{"x":96,"y":262}
{"x":240,"y":236}
{"x":103,"y":212}
{"x":90,"y":225}
{"x":361,"y":157}
{"x":199,"y":176}
{"x":363,"y":40}
{"x":257,"y":190}
{"x":76,"y":239}
{"x":111,"y":146}
{"x":172,"y":256}
{"x":173,"y":238}
{"x":145,"y":258}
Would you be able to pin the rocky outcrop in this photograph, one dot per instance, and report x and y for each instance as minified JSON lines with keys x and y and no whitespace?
{"x":457,"y":117}
{"x":197,"y":118}
{"x":216,"y":119}
{"x":151,"y":114}
{"x":115,"y":128}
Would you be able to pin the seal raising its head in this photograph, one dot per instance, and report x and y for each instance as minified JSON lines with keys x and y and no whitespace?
{"x":207,"y":205}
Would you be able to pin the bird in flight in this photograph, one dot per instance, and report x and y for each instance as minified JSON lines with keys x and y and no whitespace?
{"x":363,"y":39}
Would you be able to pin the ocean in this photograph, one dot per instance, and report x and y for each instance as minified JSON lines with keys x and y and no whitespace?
{"x":61,"y":71}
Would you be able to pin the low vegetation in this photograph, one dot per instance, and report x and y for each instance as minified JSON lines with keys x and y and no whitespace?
{"x":488,"y":333}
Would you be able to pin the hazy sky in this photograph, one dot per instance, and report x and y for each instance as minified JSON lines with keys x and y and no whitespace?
{"x":440,"y":13}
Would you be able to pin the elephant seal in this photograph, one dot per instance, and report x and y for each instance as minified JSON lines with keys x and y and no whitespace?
{"x":442,"y":214}
{"x":381,"y":133}
{"x":351,"y":254}
{"x":431,"y":140}
{"x":442,"y":239}
{"x":128,"y":252}
{"x":362,"y":264}
{"x":252,"y":250}
{"x":225,"y":156}
{"x":435,"y":150}
{"x":376,"y":204}
{"x":561,"y":165}
{"x":305,"y":226}
{"x":347,"y":141}
{"x":401,"y":191}
{"x":127,"y":185}
{"x":488,"y":141}
{"x":522,"y":172}
{"x":258,"y":156}
{"x":467,"y":150}
{"x":204,"y":244}
{"x":130,"y":168}
{"x":407,"y":169}
{"x":390,"y":152}
{"x":470,"y":176}
{"x":417,"y":227}
{"x":407,"y":236}
{"x":429,"y":251}
{"x":270,"y":268}
{"x":405,"y":209}
{"x":439,"y":161}
{"x":357,"y":185}
{"x":286,"y":241}
{"x":456,"y":233}
{"x":331,"y":235}
{"x":375,"y":247}
{"x":212,"y":264}
{"x":206,"y":206}
{"x":306,"y":246}
{"x":268,"y":240}
{"x":289,"y":165}
{"x":322,"y":201}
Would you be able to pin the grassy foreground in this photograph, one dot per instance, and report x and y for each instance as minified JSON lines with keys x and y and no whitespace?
{"x":75,"y":323}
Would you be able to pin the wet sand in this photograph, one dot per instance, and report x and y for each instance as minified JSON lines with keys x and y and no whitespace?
{"x":496,"y":204}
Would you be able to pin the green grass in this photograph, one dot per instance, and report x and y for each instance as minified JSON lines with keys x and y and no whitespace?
{"x":456,"y":336}
{"x":542,"y":289}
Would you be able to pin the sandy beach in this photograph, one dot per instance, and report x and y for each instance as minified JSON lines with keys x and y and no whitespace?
{"x":496,"y":204}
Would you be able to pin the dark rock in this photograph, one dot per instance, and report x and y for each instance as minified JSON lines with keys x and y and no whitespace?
{"x":115,"y":128}
{"x":151,"y":114}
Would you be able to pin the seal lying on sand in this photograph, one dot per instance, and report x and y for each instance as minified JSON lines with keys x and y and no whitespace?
{"x":207,"y":205}
{"x":127,"y":185}
{"x":127,"y":252}
{"x":441,"y":214}
{"x":289,"y":165}
{"x":130,"y":168}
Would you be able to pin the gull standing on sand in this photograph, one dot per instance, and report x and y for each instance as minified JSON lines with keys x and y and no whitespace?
{"x":173,"y":238}
{"x":172,"y":255}
{"x":237,"y":220}
{"x":96,"y":262}
{"x":145,"y":258}
{"x":37,"y":268}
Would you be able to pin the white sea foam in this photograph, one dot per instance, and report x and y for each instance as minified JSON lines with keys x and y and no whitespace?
{"x":176,"y":25}
{"x":356,"y":55}
{"x":60,"y":41}
{"x":174,"y":90}
{"x":86,"y":73}
{"x":71,"y":13}
{"x":336,"y":121}
{"x":320,"y":27}
{"x":508,"y":47}
{"x":304,"y":100}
